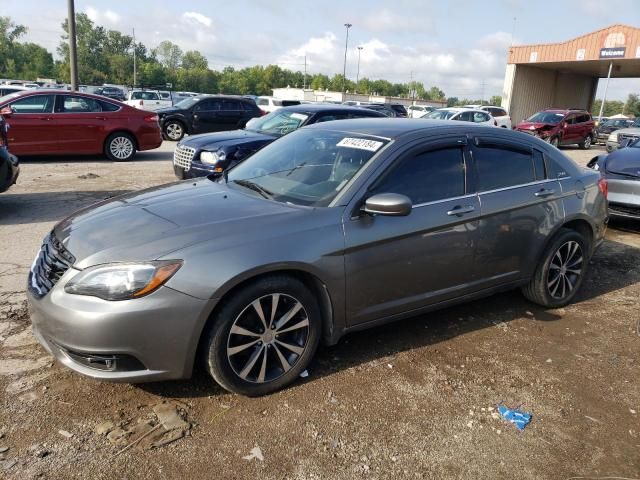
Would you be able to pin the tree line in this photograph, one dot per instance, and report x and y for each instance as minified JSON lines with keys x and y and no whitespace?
{"x":106,"y":56}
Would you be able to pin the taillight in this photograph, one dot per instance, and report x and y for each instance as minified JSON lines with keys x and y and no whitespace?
{"x":151,"y":118}
{"x":604,"y":187}
{"x":141,"y":102}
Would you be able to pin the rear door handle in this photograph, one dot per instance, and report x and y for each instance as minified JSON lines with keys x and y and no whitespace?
{"x":544,"y":193}
{"x":459,"y":211}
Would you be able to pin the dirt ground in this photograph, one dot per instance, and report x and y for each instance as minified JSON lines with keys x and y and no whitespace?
{"x":415,"y":399}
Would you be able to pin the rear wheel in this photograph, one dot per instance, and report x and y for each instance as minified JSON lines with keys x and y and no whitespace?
{"x":120,"y":147}
{"x":560,"y":272}
{"x":264,"y":336}
{"x":586,"y":143}
{"x":174,"y":130}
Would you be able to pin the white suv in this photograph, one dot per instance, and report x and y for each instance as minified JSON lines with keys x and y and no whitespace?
{"x":418,"y":111}
{"x":147,"y":100}
{"x":498,"y":113}
{"x":270,"y":104}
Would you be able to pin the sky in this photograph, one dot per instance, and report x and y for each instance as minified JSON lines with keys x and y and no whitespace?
{"x":458,"y":45}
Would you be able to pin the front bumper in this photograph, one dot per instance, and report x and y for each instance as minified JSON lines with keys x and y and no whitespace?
{"x":196,"y":170}
{"x":151,"y":338}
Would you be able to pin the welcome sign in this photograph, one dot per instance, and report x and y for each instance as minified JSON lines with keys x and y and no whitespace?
{"x":614,"y":52}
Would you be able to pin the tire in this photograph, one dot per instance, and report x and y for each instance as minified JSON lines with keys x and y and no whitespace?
{"x":120,"y":147}
{"x":586,"y":143}
{"x":551,"y":290}
{"x":555,"y":141}
{"x":173,"y":130}
{"x":244,"y":357}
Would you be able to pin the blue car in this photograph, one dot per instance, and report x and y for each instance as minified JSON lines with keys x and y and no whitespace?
{"x":212,"y":153}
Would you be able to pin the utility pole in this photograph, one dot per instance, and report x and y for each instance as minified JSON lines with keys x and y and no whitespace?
{"x":344,"y":70}
{"x":606,"y":87}
{"x":134,"y":58}
{"x":482,"y":100}
{"x":358,"y":74}
{"x":304,"y":82}
{"x":73,"y":55}
{"x":411,"y":85}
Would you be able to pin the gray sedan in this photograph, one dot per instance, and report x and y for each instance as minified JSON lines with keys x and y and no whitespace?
{"x":336,"y":227}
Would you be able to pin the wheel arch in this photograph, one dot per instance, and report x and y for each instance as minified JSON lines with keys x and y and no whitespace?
{"x":179,"y":119}
{"x":579,"y":224}
{"x":316,"y":286}
{"x":120,"y":130}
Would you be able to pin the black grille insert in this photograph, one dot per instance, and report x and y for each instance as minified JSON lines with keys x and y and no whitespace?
{"x":52,"y":262}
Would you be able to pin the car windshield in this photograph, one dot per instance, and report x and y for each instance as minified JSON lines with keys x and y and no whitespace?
{"x":278,"y":123}
{"x":546,"y":117}
{"x":187,"y":102}
{"x":635,"y":124}
{"x":615,"y":123}
{"x":308,"y":167}
{"x":440,"y":114}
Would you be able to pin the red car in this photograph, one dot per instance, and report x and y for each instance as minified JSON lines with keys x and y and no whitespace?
{"x":51,"y":122}
{"x":561,"y":127}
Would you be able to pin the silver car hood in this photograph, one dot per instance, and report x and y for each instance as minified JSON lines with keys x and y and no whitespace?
{"x":149,"y":224}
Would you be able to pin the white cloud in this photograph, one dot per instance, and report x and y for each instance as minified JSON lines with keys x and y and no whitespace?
{"x":389,"y":21}
{"x":96,"y":16}
{"x":196,"y":17}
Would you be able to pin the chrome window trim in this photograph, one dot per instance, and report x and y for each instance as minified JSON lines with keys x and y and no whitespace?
{"x":537,"y":182}
{"x":450,"y":199}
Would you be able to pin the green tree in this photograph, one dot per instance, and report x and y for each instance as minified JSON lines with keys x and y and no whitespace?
{"x":194,"y":59}
{"x":632,"y":105}
{"x":495,"y":100}
{"x":169,"y":55}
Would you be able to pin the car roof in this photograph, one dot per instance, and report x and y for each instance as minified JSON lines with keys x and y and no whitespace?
{"x":51,"y":91}
{"x":386,"y":127}
{"x":321,"y":107}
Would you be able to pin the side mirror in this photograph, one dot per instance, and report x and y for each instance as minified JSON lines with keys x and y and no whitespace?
{"x":391,"y":204}
{"x":6,"y":111}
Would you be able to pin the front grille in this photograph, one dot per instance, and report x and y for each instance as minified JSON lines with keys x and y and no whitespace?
{"x":624,"y":210}
{"x":626,"y":136}
{"x":52,"y":262}
{"x":182,"y":156}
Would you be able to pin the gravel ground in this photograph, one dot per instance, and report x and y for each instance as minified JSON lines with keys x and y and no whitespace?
{"x":415,"y":399}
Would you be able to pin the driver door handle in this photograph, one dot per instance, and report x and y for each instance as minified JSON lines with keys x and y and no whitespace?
{"x":459,"y":211}
{"x":544,"y":193}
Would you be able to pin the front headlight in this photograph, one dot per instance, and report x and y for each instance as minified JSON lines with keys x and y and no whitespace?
{"x":122,"y":281}
{"x":613,"y":137}
{"x":211,"y":158}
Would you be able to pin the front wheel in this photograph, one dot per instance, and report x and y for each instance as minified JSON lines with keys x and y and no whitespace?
{"x":174,"y":130}
{"x":264,"y":336}
{"x":586,"y":143}
{"x":555,"y":142}
{"x":120,"y":147}
{"x":560,"y":272}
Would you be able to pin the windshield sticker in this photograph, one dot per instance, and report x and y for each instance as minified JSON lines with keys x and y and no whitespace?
{"x":299,"y":116}
{"x":360,"y":143}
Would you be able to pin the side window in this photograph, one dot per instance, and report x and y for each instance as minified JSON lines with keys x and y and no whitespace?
{"x":248,"y":107}
{"x":465,"y":117}
{"x":555,"y":168}
{"x":500,"y":166}
{"x":207,"y":105}
{"x":571,"y":119}
{"x":109,"y":107}
{"x":262,"y":101}
{"x":72,"y":104}
{"x":479,"y":117}
{"x":538,"y":165}
{"x":329,"y":117}
{"x":231,"y":105}
{"x":502,"y":113}
{"x":427,"y":177}
{"x":34,"y":104}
